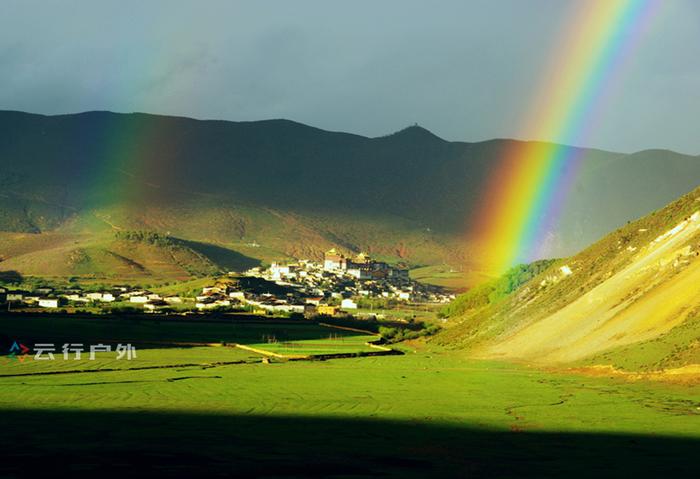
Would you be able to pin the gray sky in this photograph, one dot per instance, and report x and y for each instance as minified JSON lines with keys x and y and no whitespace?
{"x":463,"y":69}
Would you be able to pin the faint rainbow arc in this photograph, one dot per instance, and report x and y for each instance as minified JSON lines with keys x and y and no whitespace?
{"x":526,"y":190}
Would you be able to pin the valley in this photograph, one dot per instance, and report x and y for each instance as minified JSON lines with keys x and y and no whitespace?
{"x":349,"y":240}
{"x":229,"y":411}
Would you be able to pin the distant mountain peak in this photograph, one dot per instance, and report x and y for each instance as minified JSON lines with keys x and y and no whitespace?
{"x":415,"y":132}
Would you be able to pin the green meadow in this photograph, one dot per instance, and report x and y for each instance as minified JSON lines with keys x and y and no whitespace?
{"x":176,"y":410}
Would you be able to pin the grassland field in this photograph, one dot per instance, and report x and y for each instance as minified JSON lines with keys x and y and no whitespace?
{"x":429,"y":412}
{"x":153,"y":336}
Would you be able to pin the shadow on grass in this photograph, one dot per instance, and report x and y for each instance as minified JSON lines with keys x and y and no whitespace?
{"x":225,"y":258}
{"x":155,"y":332}
{"x":145,"y":444}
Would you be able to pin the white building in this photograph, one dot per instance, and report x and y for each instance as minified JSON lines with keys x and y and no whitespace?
{"x":278,"y":271}
{"x":48,"y":303}
{"x":333,"y":260}
{"x":213,"y":304}
{"x":132,"y":293}
{"x":75,"y":297}
{"x":108,"y":298}
{"x":348,"y":303}
{"x":211,"y":290}
{"x":155,"y":305}
{"x":139,"y":299}
{"x":104,"y":297}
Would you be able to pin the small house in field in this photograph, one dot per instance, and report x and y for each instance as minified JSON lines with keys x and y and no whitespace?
{"x":155,"y":305}
{"x":205,"y":303}
{"x":48,"y":302}
{"x":327,"y":310}
{"x":15,"y":296}
{"x":108,"y":298}
{"x":76,"y":298}
{"x":348,"y":303}
{"x":315,"y":301}
{"x":139,"y":299}
{"x":212,"y":302}
{"x":130,"y":294}
{"x":212,"y":290}
{"x":297,"y":308}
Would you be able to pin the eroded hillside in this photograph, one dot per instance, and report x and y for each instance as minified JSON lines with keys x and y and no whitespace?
{"x":640,"y":284}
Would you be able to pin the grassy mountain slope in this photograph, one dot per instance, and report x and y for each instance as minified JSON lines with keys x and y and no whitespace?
{"x":293,"y":190}
{"x":107,"y":257}
{"x":631,"y":300}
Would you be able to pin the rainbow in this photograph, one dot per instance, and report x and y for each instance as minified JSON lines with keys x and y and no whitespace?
{"x":134,"y":160}
{"x":524,"y":194}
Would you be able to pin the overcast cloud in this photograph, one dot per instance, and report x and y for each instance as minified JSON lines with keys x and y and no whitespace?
{"x":463,"y":69}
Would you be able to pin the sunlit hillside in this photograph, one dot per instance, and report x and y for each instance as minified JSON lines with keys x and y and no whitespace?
{"x":635,"y":290}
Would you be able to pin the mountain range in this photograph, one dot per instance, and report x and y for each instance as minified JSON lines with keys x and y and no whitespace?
{"x":233,"y":194}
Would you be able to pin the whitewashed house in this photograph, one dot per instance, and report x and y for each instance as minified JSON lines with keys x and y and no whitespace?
{"x":212,"y":304}
{"x":48,"y":302}
{"x":108,"y":298}
{"x":155,"y":305}
{"x":15,"y":296}
{"x":348,"y":303}
{"x":76,"y":298}
{"x":212,"y":290}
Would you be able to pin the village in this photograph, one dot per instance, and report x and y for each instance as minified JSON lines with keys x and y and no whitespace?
{"x":338,"y":286}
